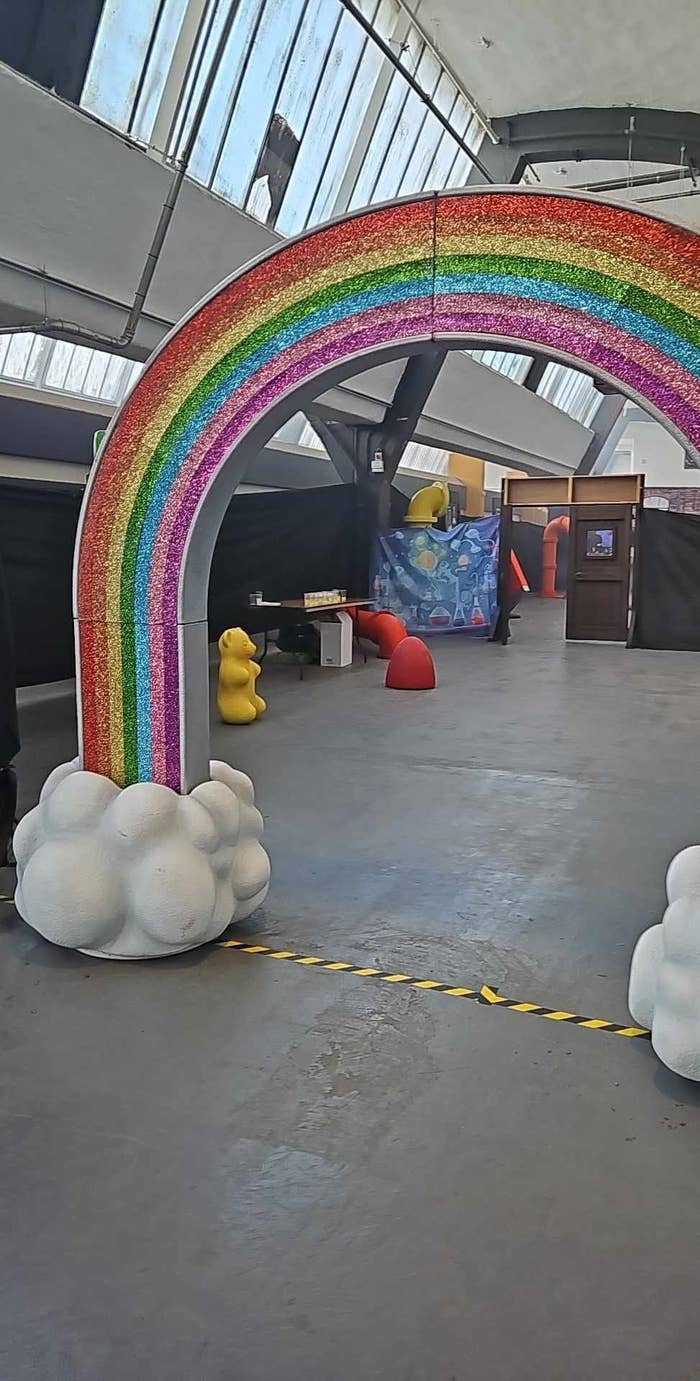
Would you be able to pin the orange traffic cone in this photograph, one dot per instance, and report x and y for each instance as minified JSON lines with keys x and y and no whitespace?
{"x":411,"y":667}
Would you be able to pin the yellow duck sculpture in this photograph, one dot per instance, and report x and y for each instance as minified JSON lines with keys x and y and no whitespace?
{"x":236,"y":700}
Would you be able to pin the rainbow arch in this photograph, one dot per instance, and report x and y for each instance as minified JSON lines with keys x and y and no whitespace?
{"x":599,"y":285}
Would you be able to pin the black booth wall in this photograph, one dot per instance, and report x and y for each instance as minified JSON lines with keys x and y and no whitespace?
{"x":280,"y":542}
{"x":668,"y":590}
{"x":9,"y":737}
{"x":285,"y":543}
{"x":37,"y":533}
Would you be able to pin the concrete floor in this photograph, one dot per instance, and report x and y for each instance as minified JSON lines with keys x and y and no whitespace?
{"x":228,"y":1168}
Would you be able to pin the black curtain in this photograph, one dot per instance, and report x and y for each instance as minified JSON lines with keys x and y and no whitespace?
{"x":668,"y":590}
{"x":37,"y":536}
{"x":282,"y":543}
{"x":9,"y":736}
{"x":285,"y":543}
{"x":527,"y":545}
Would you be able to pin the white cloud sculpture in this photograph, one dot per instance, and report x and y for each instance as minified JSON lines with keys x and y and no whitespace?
{"x":138,"y":872}
{"x":664,"y":988}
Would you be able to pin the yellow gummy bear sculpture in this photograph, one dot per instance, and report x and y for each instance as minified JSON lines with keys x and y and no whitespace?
{"x":236,"y":699}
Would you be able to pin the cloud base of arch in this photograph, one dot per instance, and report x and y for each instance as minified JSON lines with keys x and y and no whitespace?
{"x":139,"y":872}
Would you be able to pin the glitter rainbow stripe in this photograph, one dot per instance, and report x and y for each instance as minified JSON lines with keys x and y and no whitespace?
{"x":613,"y":289}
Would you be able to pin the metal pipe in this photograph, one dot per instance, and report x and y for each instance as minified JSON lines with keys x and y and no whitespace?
{"x":50,"y":325}
{"x":642,"y":180}
{"x":550,"y":540}
{"x":668,"y":196}
{"x":391,"y":57}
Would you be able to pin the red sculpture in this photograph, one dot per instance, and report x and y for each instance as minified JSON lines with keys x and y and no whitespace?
{"x":381,"y":627}
{"x":411,"y":667}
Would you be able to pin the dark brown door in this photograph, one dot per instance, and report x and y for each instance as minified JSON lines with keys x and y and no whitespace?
{"x":599,"y":572}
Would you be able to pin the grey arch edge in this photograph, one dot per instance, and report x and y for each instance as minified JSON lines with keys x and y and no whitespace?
{"x":194,"y":578}
{"x":194,"y":574}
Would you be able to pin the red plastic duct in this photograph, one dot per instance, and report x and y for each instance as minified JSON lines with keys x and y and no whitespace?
{"x":550,"y":539}
{"x":381,"y":627}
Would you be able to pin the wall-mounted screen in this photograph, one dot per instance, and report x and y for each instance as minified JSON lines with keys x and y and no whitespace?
{"x":600,"y":542}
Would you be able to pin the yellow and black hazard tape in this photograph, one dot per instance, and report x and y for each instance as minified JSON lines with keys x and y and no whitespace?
{"x":485,"y":995}
{"x":493,"y":998}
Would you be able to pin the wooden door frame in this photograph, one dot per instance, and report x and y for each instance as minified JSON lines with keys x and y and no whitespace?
{"x":572,"y":491}
{"x":624,"y":511}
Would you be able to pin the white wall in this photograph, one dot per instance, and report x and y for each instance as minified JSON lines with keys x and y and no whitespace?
{"x":647,"y":448}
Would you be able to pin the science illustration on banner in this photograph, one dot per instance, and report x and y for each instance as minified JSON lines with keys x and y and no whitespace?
{"x":440,"y":582}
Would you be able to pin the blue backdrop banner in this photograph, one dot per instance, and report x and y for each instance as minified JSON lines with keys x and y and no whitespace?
{"x":439,"y":582}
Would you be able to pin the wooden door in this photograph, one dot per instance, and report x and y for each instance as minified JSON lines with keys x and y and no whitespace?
{"x":600,"y":541}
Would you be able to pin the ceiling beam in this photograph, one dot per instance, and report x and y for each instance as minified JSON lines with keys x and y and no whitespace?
{"x":374,"y":452}
{"x":535,"y":373}
{"x":619,"y":184}
{"x":607,"y":427}
{"x":616,"y":132}
{"x":353,"y":448}
{"x":337,"y":439}
{"x":412,"y":393}
{"x":503,"y":164}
